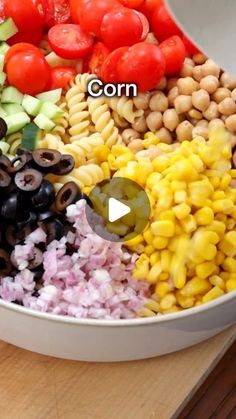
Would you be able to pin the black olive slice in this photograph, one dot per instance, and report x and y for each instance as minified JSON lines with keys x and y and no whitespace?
{"x":38,"y":275}
{"x":28,"y":180}
{"x":5,"y":162}
{"x":44,"y":216}
{"x":17,"y":164}
{"x":68,"y":194}
{"x":55,"y":230}
{"x":16,"y":236}
{"x":5,"y":179}
{"x":11,"y":206}
{"x":37,"y":260}
{"x":25,"y":152}
{"x":65,"y":166}
{"x":46,"y":160}
{"x":44,"y":197}
{"x":3,"y":128}
{"x":25,"y":218}
{"x":5,"y":263}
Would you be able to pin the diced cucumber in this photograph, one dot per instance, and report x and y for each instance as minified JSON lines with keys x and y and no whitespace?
{"x":51,"y":111}
{"x":7,"y":29}
{"x":2,"y":59}
{"x":11,"y":95}
{"x":43,"y":122}
{"x":32,"y":105}
{"x":4,"y":47}
{"x":52,"y":96}
{"x":3,"y":113}
{"x":12,"y":108}
{"x":3,"y":78}
{"x":55,"y":61}
{"x":31,"y":135}
{"x":16,"y":122}
{"x":4,"y":147}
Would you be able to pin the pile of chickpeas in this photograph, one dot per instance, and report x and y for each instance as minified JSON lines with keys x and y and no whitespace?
{"x":181,"y":108}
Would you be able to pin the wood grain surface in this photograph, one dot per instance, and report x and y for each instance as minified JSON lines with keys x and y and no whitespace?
{"x":38,"y":387}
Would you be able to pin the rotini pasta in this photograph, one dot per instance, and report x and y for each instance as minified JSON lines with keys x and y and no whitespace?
{"x":125,"y":108}
{"x":104,"y":123}
{"x":62,"y":123}
{"x":84,"y":176}
{"x":14,"y":141}
{"x":119,"y":121}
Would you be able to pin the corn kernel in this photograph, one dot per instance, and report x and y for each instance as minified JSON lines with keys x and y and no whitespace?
{"x":213,"y":294}
{"x":164,"y":228}
{"x":195,"y":286}
{"x":160,"y":243}
{"x":231,"y":285}
{"x":229,"y":264}
{"x":206,"y":269}
{"x":184,"y":302}
{"x":162,"y":289}
{"x":180,"y":197}
{"x":154,"y":273}
{"x":189,"y":224}
{"x":204,"y":216}
{"x":217,"y":281}
{"x":152,"y":305}
{"x":148,"y":250}
{"x":154,"y":258}
{"x":181,"y":211}
{"x":167,"y":302}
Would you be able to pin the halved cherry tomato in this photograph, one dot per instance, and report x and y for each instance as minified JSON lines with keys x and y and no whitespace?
{"x":174,"y":52}
{"x":132,"y":4}
{"x":145,"y":24}
{"x":2,"y":13}
{"x":20,"y":47}
{"x":190,"y":47}
{"x":143,"y":64}
{"x":149,"y":6}
{"x":28,"y":71}
{"x":70,"y":41}
{"x":92,"y":13}
{"x":163,"y":25}
{"x":109,"y":66}
{"x":121,"y":27}
{"x":75,"y":6}
{"x":61,"y":76}
{"x":57,"y":12}
{"x":99,"y":54}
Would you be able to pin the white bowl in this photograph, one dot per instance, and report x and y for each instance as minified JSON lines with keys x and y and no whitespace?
{"x":119,"y":340}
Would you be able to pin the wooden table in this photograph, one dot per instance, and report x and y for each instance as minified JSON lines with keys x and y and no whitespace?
{"x":37,"y":387}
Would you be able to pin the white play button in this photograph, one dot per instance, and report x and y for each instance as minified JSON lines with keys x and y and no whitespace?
{"x":117,"y":210}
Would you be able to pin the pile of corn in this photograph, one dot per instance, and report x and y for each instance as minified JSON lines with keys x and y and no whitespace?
{"x":187,"y":252}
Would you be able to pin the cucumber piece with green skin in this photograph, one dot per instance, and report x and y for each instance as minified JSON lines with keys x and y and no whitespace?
{"x":3,"y":78}
{"x":4,"y":147}
{"x":16,"y":122}
{"x":52,"y":96}
{"x":4,"y":47}
{"x":12,"y":108}
{"x":51,"y":111}
{"x":3,"y":113}
{"x":31,"y":105}
{"x":31,"y":135}
{"x":43,"y":122}
{"x":7,"y":29}
{"x":11,"y":95}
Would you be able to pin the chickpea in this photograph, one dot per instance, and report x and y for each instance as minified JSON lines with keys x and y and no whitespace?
{"x":142,"y":101}
{"x":187,"y":85}
{"x":154,"y":121}
{"x":171,"y":119}
{"x":129,"y":135}
{"x":162,"y":84}
{"x":199,"y":58}
{"x":183,"y":103}
{"x":158,"y":102}
{"x":211,"y":112}
{"x":151,"y":39}
{"x":153,"y":152}
{"x":184,"y":131}
{"x":231,"y":123}
{"x":233,"y":94}
{"x":227,"y":81}
{"x":140,"y":124}
{"x":227,"y":106}
{"x":172,"y":95}
{"x":200,"y":132}
{"x":215,"y":123}
{"x":223,"y":118}
{"x":172,"y":82}
{"x":210,"y":69}
{"x":201,"y":100}
{"x":202,"y":123}
{"x":164,"y":135}
{"x":220,"y":94}
{"x":136,"y":145}
{"x":187,"y":68}
{"x":209,"y":83}
{"x":194,"y":114}
{"x":197,"y":73}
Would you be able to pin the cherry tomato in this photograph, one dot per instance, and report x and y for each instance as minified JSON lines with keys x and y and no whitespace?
{"x":143,"y":64}
{"x":99,"y":54}
{"x":109,"y":67}
{"x":145,"y":24}
{"x":60,"y":76}
{"x":70,"y":41}
{"x":21,"y":47}
{"x":149,"y":6}
{"x":28,"y":71}
{"x":75,"y":6}
{"x":132,"y":4}
{"x":190,"y":47}
{"x":174,"y":52}
{"x":92,"y":13}
{"x":27,"y":14}
{"x":2,"y":13}
{"x":32,"y":37}
{"x":163,"y":25}
{"x":121,"y":27}
{"x":56,"y":12}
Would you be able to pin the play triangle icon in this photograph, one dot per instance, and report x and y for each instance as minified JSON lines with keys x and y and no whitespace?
{"x":117,"y":210}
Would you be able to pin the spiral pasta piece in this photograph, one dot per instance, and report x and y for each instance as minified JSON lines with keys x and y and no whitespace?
{"x":119,"y":120}
{"x":62,"y":123}
{"x":124,"y":108}
{"x":84,"y":176}
{"x":82,"y":149}
{"x":14,"y":141}
{"x":104,"y":123}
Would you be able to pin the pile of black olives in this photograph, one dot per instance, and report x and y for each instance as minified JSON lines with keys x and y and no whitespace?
{"x":28,"y":201}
